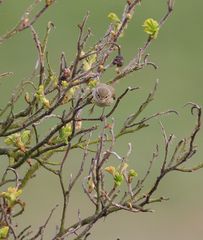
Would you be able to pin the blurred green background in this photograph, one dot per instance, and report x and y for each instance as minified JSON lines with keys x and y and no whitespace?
{"x":178,"y":53}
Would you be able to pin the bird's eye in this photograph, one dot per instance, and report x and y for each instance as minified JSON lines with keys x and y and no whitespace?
{"x":98,"y":95}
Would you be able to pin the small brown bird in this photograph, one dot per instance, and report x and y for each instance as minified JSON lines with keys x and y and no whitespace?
{"x":103,"y":95}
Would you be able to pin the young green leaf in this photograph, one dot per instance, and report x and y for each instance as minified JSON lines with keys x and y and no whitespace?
{"x":151,"y":27}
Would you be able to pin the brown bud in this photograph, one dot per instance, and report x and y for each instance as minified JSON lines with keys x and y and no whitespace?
{"x":101,"y":68}
{"x":108,"y":126}
{"x":48,"y":2}
{"x":113,"y":33}
{"x":128,"y":16}
{"x":91,"y":185}
{"x":129,"y":204}
{"x":24,"y":23}
{"x":65,"y":73}
{"x":29,"y":161}
{"x":129,"y":2}
{"x":27,"y":97}
{"x":117,"y":70}
{"x":78,"y":125}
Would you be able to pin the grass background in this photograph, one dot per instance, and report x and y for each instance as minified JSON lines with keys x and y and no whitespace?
{"x":178,"y":53}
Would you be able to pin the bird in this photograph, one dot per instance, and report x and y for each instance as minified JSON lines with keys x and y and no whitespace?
{"x":103,"y":95}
